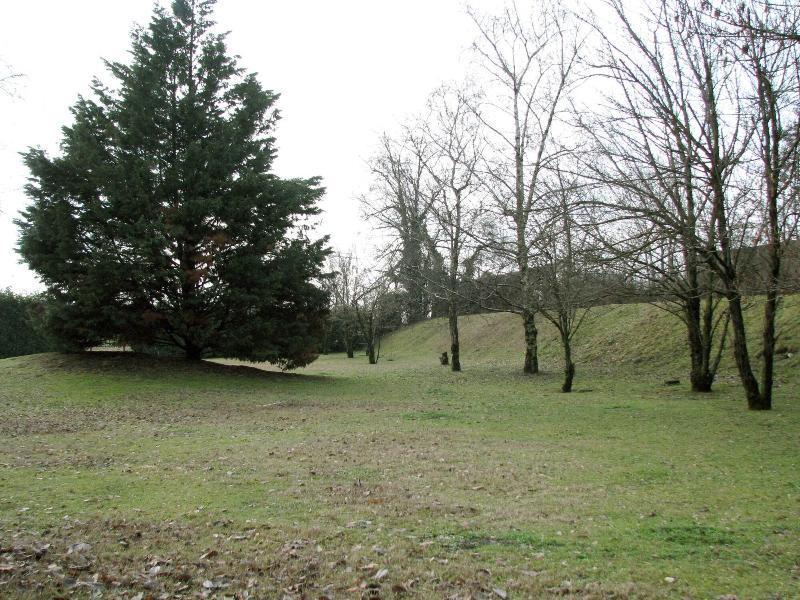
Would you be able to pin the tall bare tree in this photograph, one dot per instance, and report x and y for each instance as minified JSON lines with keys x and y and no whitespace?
{"x":455,"y":208}
{"x":651,"y":147}
{"x":399,"y":203}
{"x":771,"y":65}
{"x":532,"y":66}
{"x":710,"y":103}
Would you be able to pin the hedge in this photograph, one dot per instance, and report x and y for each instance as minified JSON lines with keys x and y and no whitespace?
{"x":19,"y":333}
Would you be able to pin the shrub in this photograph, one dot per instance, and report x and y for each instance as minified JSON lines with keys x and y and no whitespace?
{"x":19,"y":333}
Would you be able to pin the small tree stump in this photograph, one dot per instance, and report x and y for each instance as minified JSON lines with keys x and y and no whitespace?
{"x":672,"y":382}
{"x":444,"y":359}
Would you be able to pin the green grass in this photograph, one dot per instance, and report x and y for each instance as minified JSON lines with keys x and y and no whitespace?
{"x":310,"y":484}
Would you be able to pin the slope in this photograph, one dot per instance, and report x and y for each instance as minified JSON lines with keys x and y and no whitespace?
{"x":616,"y":337}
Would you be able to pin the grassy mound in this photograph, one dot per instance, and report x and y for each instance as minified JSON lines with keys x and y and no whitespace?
{"x":616,"y":337}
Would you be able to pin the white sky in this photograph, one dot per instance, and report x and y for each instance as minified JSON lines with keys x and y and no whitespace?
{"x":346,"y":70}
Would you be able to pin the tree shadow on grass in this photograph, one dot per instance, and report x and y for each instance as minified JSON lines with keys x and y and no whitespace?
{"x":132,"y":363}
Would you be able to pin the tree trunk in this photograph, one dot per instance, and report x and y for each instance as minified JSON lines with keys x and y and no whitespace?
{"x":740,"y":353}
{"x":452,"y":314}
{"x":699,"y":376}
{"x":348,"y":343}
{"x":768,"y":351}
{"x":569,"y":366}
{"x":193,"y":351}
{"x":531,"y":342}
{"x":771,"y":137}
{"x":371,"y":352}
{"x":325,"y":336}
{"x":724,"y":261}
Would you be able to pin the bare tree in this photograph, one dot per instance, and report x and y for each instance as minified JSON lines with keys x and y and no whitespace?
{"x":453,"y":133}
{"x":770,"y":63}
{"x":566,"y":259}
{"x":399,"y":203}
{"x":709,"y":113}
{"x":739,"y":18}
{"x":532,"y":65}
{"x":343,"y":286}
{"x":371,"y":308}
{"x":651,"y":154}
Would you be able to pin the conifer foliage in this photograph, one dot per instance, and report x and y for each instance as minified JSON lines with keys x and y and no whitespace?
{"x":161,"y":224}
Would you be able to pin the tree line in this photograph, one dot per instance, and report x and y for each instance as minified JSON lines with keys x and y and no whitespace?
{"x":645,"y":151}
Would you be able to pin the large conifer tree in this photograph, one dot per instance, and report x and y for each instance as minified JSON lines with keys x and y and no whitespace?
{"x":161,"y":223}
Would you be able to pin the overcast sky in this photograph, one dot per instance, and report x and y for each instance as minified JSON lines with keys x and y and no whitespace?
{"x":346,"y":71}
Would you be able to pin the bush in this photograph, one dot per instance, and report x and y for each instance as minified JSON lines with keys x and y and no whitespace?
{"x":19,"y":333}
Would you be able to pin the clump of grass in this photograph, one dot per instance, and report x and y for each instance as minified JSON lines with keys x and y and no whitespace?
{"x":692,"y":535}
{"x":519,"y":540}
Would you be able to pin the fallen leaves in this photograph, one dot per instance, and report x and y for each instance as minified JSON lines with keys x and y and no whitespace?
{"x":404,"y":587}
{"x":209,"y":554}
{"x":371,"y":567}
{"x":216,"y":584}
{"x":78,"y":548}
{"x":293,"y":547}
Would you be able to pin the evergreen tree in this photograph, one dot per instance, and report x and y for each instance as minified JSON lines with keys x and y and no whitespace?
{"x":161,"y":224}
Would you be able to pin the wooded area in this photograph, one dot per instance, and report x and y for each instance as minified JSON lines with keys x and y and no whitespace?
{"x":627,"y":155}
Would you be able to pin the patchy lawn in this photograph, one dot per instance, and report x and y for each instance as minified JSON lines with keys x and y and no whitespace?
{"x":129,"y":477}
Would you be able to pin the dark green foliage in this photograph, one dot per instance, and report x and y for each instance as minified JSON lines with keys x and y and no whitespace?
{"x":19,"y":333}
{"x":392,"y":306}
{"x":342,"y":331}
{"x":161,"y":224}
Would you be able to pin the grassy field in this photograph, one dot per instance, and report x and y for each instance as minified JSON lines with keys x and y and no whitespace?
{"x":126,"y":476}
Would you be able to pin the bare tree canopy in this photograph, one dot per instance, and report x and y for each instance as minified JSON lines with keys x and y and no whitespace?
{"x":8,"y":77}
{"x":532,"y":63}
